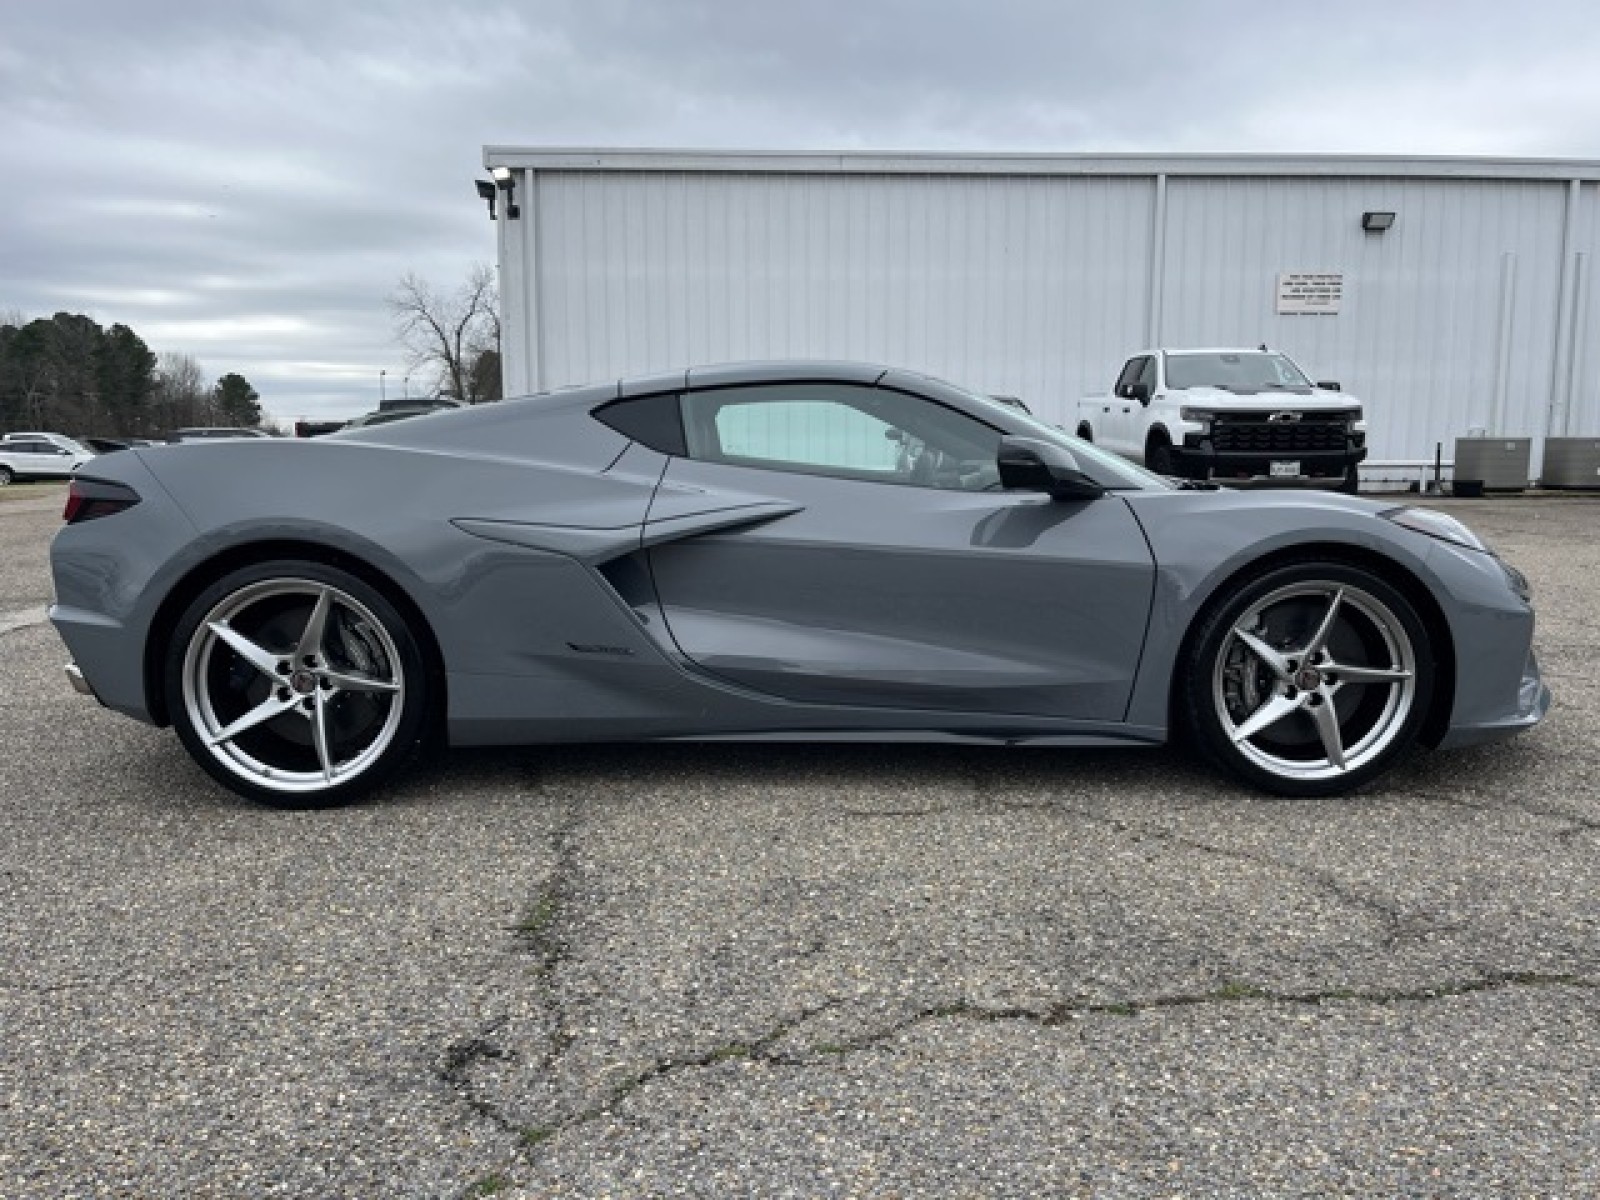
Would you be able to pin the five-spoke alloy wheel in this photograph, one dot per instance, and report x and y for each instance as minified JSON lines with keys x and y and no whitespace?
{"x":296,"y":684}
{"x":1309,"y":680}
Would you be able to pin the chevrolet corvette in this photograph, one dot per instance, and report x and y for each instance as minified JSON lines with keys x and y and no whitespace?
{"x":774,"y":551}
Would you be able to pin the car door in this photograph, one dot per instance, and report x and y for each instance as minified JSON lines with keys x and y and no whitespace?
{"x":37,"y":459}
{"x":1123,"y":419}
{"x":898,"y":574}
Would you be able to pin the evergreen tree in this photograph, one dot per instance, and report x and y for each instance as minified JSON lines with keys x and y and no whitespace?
{"x":237,"y":402}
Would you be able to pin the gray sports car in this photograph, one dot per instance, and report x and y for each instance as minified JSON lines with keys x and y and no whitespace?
{"x":768,"y":551}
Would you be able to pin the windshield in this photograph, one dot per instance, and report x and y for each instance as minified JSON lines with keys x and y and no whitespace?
{"x":1234,"y":371}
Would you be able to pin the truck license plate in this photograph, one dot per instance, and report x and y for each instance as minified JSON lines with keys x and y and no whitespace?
{"x":1284,"y":468}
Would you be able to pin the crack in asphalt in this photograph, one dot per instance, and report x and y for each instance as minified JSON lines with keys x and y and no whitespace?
{"x":545,"y":931}
{"x":1402,"y":926}
{"x":539,"y":930}
{"x":461,"y":1056}
{"x":1576,"y":822}
{"x":72,"y":985}
{"x":761,"y":1049}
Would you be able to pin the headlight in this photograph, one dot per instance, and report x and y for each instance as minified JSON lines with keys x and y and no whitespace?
{"x":1197,"y":416}
{"x":1436,"y":524}
{"x":1518,"y":581}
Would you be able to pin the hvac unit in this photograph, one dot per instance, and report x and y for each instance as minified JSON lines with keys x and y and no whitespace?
{"x":1571,"y":462}
{"x":1501,"y":463}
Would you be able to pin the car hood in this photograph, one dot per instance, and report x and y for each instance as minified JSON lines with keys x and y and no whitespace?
{"x":1225,"y":400}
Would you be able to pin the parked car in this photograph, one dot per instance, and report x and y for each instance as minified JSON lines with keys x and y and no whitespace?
{"x":383,"y":416}
{"x":73,"y":445}
{"x":104,"y":445}
{"x":1013,"y":401}
{"x":26,"y":456}
{"x":1232,"y":415}
{"x":208,"y":432}
{"x":771,"y":551}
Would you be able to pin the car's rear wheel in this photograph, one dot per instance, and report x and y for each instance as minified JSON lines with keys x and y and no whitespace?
{"x":1309,"y":680}
{"x":5,"y":476}
{"x":296,"y":684}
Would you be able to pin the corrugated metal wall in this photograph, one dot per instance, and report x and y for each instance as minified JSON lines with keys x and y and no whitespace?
{"x":1012,"y":285}
{"x":1419,"y":327}
{"x":1038,"y":285}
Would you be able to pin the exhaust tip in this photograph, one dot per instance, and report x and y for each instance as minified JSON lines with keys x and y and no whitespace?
{"x":78,"y":682}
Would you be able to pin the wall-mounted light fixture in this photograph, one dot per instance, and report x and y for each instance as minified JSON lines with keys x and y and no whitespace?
{"x":487,"y":193}
{"x":505,"y":179}
{"x":1376,"y":222}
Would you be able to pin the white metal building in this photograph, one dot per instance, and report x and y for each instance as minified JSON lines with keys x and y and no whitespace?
{"x":1036,"y":275}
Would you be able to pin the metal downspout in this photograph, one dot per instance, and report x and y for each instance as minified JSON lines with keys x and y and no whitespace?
{"x":1561,"y":377}
{"x":1158,"y":263}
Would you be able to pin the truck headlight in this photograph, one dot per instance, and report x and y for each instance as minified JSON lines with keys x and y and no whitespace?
{"x":1198,"y":416}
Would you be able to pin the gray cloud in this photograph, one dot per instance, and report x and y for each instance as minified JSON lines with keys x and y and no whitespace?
{"x":247,"y":183}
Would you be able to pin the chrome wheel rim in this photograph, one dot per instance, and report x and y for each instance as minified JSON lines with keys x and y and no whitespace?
{"x":293,"y":685}
{"x":1315,"y":680}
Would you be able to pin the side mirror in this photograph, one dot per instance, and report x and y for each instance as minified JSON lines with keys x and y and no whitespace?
{"x":1034,"y":465}
{"x":1140,"y":392}
{"x":1328,"y":385}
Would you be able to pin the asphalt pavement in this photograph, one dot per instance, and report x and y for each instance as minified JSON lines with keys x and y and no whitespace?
{"x":742,"y":971}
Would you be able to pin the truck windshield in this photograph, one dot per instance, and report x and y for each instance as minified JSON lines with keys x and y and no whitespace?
{"x":1234,"y":372}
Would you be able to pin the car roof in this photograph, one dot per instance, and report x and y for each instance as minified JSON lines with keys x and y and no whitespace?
{"x":1217,"y":350}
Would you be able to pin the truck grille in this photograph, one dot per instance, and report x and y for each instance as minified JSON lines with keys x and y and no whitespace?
{"x":1234,"y":435}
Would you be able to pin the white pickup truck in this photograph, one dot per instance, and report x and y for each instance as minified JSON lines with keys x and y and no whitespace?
{"x":1230,"y":415}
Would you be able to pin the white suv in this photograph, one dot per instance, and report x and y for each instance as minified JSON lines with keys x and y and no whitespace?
{"x":39,"y":456}
{"x":58,"y":439}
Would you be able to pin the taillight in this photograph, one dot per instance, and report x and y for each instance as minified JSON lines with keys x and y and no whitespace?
{"x":91,"y":498}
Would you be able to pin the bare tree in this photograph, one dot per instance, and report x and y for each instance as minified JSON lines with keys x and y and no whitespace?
{"x":182,"y":395}
{"x":448,"y":334}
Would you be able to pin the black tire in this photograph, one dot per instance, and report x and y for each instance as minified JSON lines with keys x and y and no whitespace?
{"x":1158,"y":457}
{"x":322,"y":712}
{"x":1350,"y":485}
{"x":1254,"y":657}
{"x":5,"y":476}
{"x":1085,"y":433}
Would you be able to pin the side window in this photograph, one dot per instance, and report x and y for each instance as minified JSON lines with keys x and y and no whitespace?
{"x":651,"y":420}
{"x":1147,"y":373}
{"x":1130,"y":372}
{"x":842,"y":430}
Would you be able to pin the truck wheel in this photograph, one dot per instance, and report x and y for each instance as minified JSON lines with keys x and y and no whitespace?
{"x":1158,"y":457}
{"x":1085,"y":433}
{"x":1350,"y":485}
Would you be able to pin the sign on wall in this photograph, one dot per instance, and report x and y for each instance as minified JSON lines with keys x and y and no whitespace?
{"x":1310,"y":293}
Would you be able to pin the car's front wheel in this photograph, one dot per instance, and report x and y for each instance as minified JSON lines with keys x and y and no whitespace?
{"x":1308,"y":680}
{"x":296,"y":684}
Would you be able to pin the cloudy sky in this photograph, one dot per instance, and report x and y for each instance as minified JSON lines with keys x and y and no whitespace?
{"x":247,"y":182}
